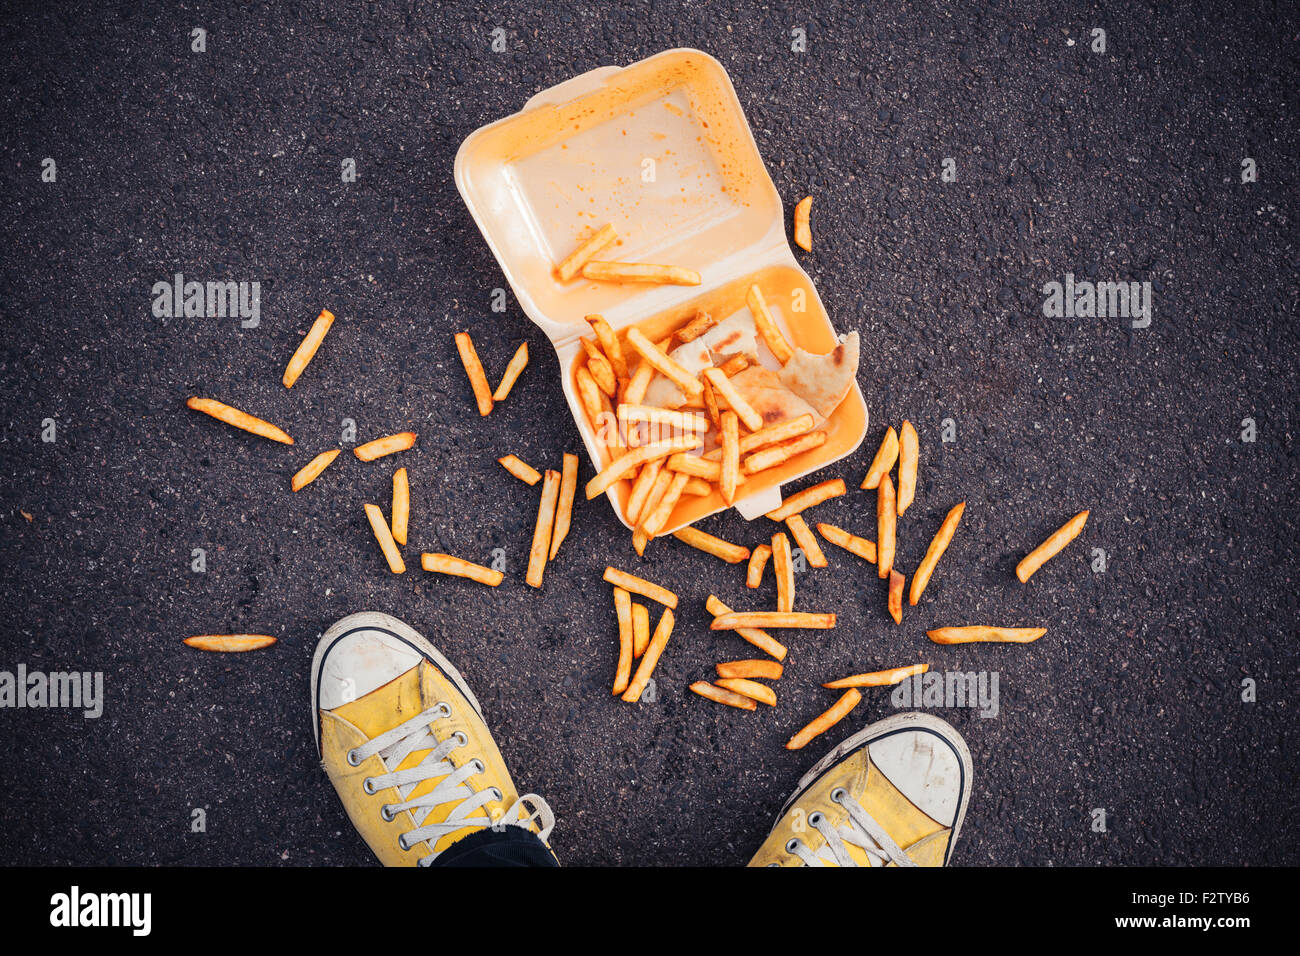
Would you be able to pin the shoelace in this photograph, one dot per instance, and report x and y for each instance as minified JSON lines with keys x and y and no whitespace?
{"x":861,"y":831}
{"x":416,"y":734}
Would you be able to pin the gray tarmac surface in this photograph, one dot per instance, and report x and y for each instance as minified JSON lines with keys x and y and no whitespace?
{"x":225,"y":165}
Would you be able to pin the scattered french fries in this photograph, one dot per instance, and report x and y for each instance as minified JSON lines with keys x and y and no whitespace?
{"x":803,"y":500}
{"x":731,"y":553}
{"x":600,"y":368}
{"x":766,"y":670}
{"x":387,"y":445}
{"x":230,"y":643}
{"x":518,"y":362}
{"x":306,"y":349}
{"x":837,"y":712}
{"x":564,"y":507}
{"x":975,"y":633}
{"x":802,"y":226}
{"x":401,"y":505}
{"x":862,"y":547}
{"x":909,"y":451}
{"x":721,"y":695}
{"x":623,"y":607}
{"x":542,"y":530}
{"x":447,"y":564}
{"x":474,"y":369}
{"x":768,"y":330}
{"x":641,"y":490}
{"x":806,"y":540}
{"x":759,"y":638}
{"x":639,"y":272}
{"x":620,"y":467}
{"x":885,"y":678}
{"x":895,"y":600}
{"x":884,"y":460}
{"x":650,"y":659}
{"x":312,"y":470}
{"x":938,"y":546}
{"x":630,"y":582}
{"x":520,"y":469}
{"x":783,"y":568}
{"x":239,"y":419}
{"x":1051,"y":547}
{"x":640,"y":628}
{"x":384,"y":535}
{"x":794,"y":619}
{"x":748,"y":688}
{"x":886,"y":521}
{"x":659,"y":516}
{"x":610,"y":344}
{"x":585,"y":252}
{"x":757,"y":562}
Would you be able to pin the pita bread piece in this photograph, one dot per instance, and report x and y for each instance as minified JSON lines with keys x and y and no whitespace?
{"x":735,"y":336}
{"x":766,"y":394}
{"x":823,"y":380}
{"x":663,"y":392}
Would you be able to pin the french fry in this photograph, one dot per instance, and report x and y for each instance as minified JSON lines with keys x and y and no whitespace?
{"x":641,"y":491}
{"x":729,"y":474}
{"x":229,"y":643}
{"x":623,"y":607}
{"x":802,"y":227}
{"x":630,"y":582}
{"x":894,"y":675}
{"x":640,"y":628}
{"x":696,"y":466}
{"x":542,"y":530}
{"x":387,"y":445}
{"x":693,"y":329}
{"x":589,"y":396}
{"x":773,"y":434}
{"x":759,"y":638}
{"x":778,"y":454}
{"x":863,"y":548}
{"x":767,"y":327}
{"x":721,"y":695}
{"x":520,"y":469}
{"x":803,"y":500}
{"x":697,"y":487}
{"x":447,"y":564}
{"x":652,"y":499}
{"x":783,"y":568}
{"x":646,"y":666}
{"x":767,"y":670}
{"x":722,"y":386}
{"x":585,"y":252}
{"x":665,"y":364}
{"x":748,"y":688}
{"x":1051,"y":547}
{"x":886,"y":521}
{"x":311,"y":471}
{"x":895,"y":600}
{"x":795,"y":619}
{"x":806,"y":540}
{"x":239,"y":419}
{"x":616,"y":469}
{"x":734,"y":365}
{"x":837,"y":712}
{"x":401,"y":505}
{"x":886,"y":455}
{"x":474,"y":369}
{"x":636,"y":388}
{"x":711,"y":404}
{"x":974,"y":633}
{"x":600,"y":368}
{"x":518,"y":362}
{"x":659,"y":517}
{"x":731,"y":553}
{"x":306,"y":349}
{"x":610,"y":344}
{"x":938,"y":545}
{"x":684,"y":421}
{"x":384,"y":535}
{"x":639,"y":272}
{"x":564,"y":508}
{"x":908,"y":453}
{"x":639,"y":541}
{"x":757,"y":561}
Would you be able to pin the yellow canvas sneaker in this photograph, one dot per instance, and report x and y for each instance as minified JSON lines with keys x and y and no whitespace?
{"x":403,"y":740}
{"x":893,"y":794}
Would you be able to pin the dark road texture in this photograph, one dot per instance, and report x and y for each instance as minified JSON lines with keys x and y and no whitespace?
{"x":1121,"y":165}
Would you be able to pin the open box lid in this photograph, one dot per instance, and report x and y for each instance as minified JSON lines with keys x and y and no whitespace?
{"x":661,"y":149}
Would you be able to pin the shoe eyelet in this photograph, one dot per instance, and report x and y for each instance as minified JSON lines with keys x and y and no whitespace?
{"x":792,"y":844}
{"x":401,"y":841}
{"x":386,"y":812}
{"x":464,"y":741}
{"x":838,"y":794}
{"x":815,"y":818}
{"x":478,"y":765}
{"x":444,"y":708}
{"x":498,"y":795}
{"x":353,"y":760}
{"x":368,"y":786}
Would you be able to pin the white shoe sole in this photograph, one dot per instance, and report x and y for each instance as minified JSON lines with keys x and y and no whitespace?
{"x":883,"y":728}
{"x":385,"y":624}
